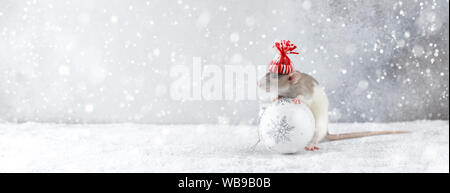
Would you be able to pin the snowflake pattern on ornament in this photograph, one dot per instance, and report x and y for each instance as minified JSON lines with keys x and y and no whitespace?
{"x":280,"y":129}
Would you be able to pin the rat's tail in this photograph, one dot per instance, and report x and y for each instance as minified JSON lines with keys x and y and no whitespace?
{"x":333,"y":137}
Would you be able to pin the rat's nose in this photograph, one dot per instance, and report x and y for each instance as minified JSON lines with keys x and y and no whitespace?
{"x":259,"y":84}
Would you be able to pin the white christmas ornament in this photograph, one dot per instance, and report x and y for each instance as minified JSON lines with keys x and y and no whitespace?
{"x":286,"y":127}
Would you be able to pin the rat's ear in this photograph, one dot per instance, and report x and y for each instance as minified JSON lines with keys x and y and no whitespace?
{"x":294,"y":77}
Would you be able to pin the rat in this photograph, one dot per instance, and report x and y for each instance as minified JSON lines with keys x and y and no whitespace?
{"x":301,"y":87}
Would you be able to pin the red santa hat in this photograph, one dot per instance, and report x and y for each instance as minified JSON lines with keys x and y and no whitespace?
{"x":281,"y":64}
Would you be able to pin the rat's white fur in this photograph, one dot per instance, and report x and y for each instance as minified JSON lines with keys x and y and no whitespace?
{"x":318,"y":104}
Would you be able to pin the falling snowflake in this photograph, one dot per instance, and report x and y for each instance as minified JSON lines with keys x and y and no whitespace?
{"x":280,"y":129}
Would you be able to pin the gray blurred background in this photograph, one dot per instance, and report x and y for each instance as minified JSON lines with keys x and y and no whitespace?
{"x":108,"y":61}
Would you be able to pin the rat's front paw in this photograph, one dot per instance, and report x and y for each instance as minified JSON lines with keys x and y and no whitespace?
{"x":296,"y":101}
{"x":275,"y":99}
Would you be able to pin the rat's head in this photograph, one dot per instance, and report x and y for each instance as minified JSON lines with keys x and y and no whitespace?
{"x":278,"y":83}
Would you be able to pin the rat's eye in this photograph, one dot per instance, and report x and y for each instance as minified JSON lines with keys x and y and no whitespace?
{"x":290,"y":78}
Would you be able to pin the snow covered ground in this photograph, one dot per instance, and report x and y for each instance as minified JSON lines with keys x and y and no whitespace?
{"x":38,"y":147}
